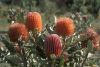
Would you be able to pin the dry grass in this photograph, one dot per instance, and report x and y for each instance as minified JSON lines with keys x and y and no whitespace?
{"x":4,"y":27}
{"x":3,"y":24}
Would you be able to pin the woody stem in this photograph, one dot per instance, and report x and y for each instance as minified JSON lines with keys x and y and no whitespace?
{"x":24,"y":58}
{"x":85,"y":58}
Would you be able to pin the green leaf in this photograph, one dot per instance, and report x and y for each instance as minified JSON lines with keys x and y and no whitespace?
{"x":89,"y":45}
{"x":61,"y":62}
{"x":8,"y":45}
{"x":13,"y":60}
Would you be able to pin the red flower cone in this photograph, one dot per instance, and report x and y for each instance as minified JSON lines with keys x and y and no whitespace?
{"x":53,"y":45}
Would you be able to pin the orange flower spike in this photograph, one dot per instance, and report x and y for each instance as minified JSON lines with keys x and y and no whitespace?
{"x":17,"y":30}
{"x":34,"y":21}
{"x":65,"y":27}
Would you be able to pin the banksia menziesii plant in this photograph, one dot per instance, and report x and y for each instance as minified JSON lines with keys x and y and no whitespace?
{"x":16,"y":31}
{"x":65,"y":27}
{"x":34,"y":21}
{"x":93,"y":36}
{"x":53,"y":45}
{"x":70,"y":41}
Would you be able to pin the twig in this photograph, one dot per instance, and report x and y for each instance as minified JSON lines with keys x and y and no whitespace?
{"x":85,"y":58}
{"x":23,"y":56}
{"x":53,"y":63}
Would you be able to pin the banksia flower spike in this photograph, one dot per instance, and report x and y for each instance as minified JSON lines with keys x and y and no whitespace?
{"x":65,"y":27}
{"x":17,"y":30}
{"x":34,"y":21}
{"x":53,"y":45}
{"x":93,"y":36}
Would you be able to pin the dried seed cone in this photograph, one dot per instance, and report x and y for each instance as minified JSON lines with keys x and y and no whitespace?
{"x":34,"y":21}
{"x":53,"y":45}
{"x":65,"y":27}
{"x":17,"y":30}
{"x":93,"y":36}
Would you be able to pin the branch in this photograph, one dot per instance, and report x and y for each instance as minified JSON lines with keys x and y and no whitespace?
{"x":23,"y":56}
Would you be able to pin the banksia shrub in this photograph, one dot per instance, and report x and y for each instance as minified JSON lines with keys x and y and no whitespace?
{"x":17,"y":30}
{"x":65,"y":27}
{"x":34,"y":21}
{"x":53,"y":45}
{"x":93,"y":36}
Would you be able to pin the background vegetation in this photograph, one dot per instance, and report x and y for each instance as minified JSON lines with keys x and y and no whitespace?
{"x":51,"y":7}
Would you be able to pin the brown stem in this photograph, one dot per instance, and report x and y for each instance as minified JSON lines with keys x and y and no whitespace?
{"x":85,"y":58}
{"x":23,"y":56}
{"x":52,"y":63}
{"x":64,"y":42}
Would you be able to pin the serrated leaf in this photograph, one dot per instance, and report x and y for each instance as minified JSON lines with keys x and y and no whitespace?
{"x":13,"y":59}
{"x":7,"y":44}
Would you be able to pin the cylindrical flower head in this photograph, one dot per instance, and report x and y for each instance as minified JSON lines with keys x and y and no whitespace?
{"x":34,"y":21}
{"x":93,"y":36}
{"x":65,"y":27}
{"x":17,"y":30}
{"x":53,"y":45}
